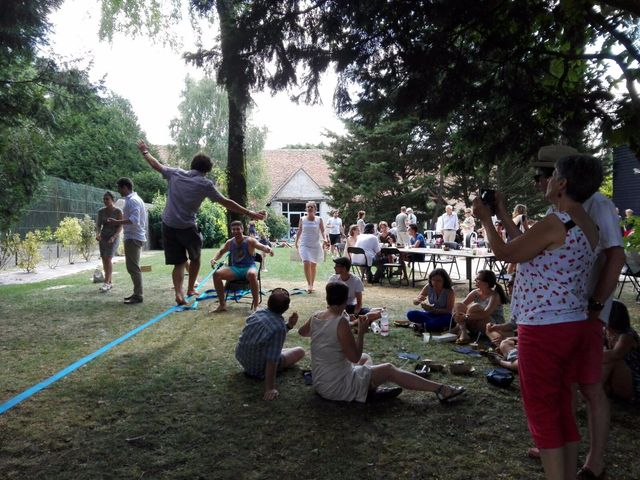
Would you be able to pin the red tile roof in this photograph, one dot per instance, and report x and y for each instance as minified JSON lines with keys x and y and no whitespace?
{"x":282,"y":164}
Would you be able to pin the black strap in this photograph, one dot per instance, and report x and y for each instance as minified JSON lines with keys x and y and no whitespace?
{"x":569,"y":225}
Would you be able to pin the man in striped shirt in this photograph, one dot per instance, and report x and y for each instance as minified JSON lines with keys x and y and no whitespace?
{"x":259,"y":348}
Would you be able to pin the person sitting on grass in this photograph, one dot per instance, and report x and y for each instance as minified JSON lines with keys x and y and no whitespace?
{"x":341,"y":371}
{"x":341,"y":266}
{"x":243,"y":265}
{"x":482,"y":306}
{"x":436,"y":299}
{"x":497,"y":332}
{"x":506,"y":355}
{"x":259,"y":348}
{"x":621,"y":359}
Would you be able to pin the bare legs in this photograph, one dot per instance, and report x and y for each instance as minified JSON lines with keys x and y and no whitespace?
{"x":226,"y":274}
{"x":289,"y":356}
{"x":221,"y":275}
{"x":252,"y":277}
{"x":107,"y":266}
{"x":310,"y":274}
{"x":194,"y":269}
{"x":560,"y":463}
{"x":464,"y":325}
{"x":386,"y":372}
{"x":598,"y":421}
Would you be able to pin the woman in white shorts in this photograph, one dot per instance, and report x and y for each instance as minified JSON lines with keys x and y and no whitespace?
{"x":309,"y":243}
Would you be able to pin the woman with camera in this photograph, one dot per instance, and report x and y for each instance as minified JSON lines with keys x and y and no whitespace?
{"x":557,"y":340}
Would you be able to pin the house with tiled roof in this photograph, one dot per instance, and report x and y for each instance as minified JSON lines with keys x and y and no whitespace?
{"x":297,"y":176}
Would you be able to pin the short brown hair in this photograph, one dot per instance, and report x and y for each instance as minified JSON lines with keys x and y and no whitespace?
{"x":236,"y":223}
{"x":201,"y":163}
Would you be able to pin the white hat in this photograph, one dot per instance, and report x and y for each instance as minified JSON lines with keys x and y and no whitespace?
{"x":550,"y":154}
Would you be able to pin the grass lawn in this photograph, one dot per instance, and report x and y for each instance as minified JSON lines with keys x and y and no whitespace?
{"x":171,"y":402}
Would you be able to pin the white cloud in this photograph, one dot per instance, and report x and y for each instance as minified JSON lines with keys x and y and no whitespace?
{"x":151,"y":77}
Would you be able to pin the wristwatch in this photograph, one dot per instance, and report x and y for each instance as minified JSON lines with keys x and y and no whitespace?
{"x":595,"y":305}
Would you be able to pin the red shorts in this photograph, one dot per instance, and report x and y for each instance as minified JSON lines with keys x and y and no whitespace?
{"x":550,"y":359}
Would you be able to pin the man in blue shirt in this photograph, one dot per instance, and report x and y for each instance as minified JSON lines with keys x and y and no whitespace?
{"x":259,"y":348}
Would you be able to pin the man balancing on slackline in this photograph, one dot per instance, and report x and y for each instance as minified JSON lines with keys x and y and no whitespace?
{"x":180,"y":235}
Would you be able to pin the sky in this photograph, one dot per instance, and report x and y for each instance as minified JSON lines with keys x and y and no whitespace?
{"x":152,"y":77}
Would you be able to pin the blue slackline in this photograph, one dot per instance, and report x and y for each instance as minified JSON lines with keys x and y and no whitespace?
{"x":12,"y":402}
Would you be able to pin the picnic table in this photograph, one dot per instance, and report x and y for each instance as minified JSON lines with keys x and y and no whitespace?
{"x":434,"y":253}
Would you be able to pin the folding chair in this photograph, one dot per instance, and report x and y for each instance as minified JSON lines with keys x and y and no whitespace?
{"x":361,"y":262}
{"x":629,"y":276}
{"x":451,"y":261}
{"x":394,"y":267}
{"x":241,"y":288}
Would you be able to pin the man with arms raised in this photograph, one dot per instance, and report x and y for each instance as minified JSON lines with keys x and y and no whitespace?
{"x":242,"y":250}
{"x":180,"y":235}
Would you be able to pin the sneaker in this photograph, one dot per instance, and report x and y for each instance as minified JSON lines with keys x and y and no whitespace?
{"x":106,"y":287}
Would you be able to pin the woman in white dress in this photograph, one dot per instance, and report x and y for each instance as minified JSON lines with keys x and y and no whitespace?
{"x":309,"y":243}
{"x":339,"y":368}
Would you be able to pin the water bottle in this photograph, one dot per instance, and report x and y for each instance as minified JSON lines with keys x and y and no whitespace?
{"x":384,"y":324}
{"x":474,"y":245}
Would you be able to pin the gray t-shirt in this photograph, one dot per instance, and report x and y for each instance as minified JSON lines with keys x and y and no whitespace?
{"x":354,"y":283}
{"x":186,"y":192}
{"x":401,"y":222}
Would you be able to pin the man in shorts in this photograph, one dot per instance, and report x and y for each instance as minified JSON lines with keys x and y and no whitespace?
{"x":242,"y":250}
{"x":180,"y":235}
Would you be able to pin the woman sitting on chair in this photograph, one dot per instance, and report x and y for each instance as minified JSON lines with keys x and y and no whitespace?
{"x":482,"y":305}
{"x":352,"y":237}
{"x":436,"y":299}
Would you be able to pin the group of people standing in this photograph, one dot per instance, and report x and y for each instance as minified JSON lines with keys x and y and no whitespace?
{"x":181,"y":237}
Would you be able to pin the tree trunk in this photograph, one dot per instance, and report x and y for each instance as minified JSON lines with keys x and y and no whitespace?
{"x":233,"y":75}
{"x":236,"y":161}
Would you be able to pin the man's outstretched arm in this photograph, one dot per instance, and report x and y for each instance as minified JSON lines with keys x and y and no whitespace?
{"x":151,"y":160}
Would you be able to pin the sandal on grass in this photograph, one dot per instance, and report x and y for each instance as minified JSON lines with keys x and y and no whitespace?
{"x":453,"y":393}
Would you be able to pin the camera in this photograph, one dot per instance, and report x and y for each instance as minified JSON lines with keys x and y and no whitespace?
{"x":488,"y":197}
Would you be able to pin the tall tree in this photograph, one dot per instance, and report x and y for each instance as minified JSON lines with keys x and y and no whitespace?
{"x":543,"y":59}
{"x":260,"y":45}
{"x":92,"y":145}
{"x":31,"y":90}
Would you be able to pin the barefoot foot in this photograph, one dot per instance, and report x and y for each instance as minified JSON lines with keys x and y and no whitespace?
{"x":221,"y":308}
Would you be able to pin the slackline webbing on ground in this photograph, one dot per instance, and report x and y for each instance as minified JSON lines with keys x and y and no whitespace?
{"x":12,"y":402}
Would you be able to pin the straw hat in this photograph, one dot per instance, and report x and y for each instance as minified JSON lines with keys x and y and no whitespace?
{"x":550,"y":154}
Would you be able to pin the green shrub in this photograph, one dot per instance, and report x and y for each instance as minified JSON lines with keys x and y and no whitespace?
{"x":69,"y":234}
{"x":29,"y":254}
{"x":8,"y":247}
{"x":87,"y":237}
{"x":277,"y":224}
{"x":211,"y":219}
{"x":155,"y":221}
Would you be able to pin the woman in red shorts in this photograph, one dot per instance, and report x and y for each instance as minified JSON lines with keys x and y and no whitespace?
{"x":558,"y":344}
